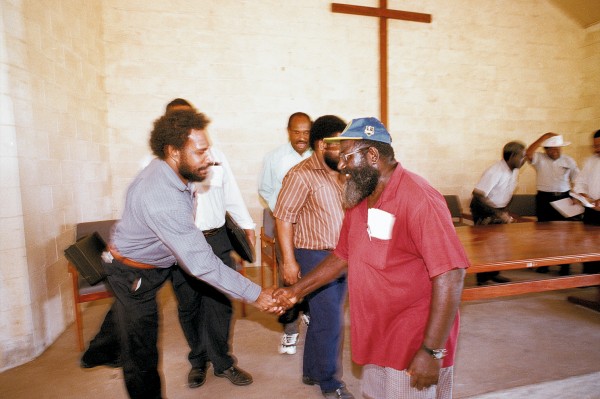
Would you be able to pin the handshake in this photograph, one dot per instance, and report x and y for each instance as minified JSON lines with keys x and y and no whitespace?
{"x":276,"y":301}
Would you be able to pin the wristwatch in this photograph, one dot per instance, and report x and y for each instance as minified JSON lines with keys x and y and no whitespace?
{"x":435,"y":353}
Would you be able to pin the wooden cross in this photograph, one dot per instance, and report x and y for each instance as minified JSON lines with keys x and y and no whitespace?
{"x":383,"y":13}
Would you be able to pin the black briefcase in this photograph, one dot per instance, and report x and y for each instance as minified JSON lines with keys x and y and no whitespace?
{"x":238,"y":239}
{"x":86,"y":256}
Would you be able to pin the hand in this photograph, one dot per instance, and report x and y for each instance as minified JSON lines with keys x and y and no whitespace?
{"x":285,"y":297}
{"x":546,"y":136}
{"x":291,"y":272}
{"x":424,"y":370}
{"x":505,"y":217}
{"x":267,"y":303}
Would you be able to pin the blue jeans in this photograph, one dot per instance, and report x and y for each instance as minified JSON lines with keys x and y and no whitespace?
{"x":323,"y":344}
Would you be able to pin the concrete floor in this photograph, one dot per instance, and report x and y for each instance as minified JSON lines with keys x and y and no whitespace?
{"x":534,"y":346}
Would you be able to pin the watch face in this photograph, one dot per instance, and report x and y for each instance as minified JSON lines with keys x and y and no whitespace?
{"x":438,"y":355}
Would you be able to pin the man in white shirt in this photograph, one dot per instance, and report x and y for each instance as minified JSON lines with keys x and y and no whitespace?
{"x":204,"y":312}
{"x":493,"y":193}
{"x":588,"y":185}
{"x":555,"y":173}
{"x":276,"y":164}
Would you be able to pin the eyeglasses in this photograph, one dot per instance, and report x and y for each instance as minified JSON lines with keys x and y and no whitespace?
{"x":345,"y":157}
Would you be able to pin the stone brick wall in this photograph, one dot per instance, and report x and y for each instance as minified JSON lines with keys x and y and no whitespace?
{"x":54,"y":162}
{"x":82,"y":83}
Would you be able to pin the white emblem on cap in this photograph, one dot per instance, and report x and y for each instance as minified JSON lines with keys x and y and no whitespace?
{"x":369,"y":130}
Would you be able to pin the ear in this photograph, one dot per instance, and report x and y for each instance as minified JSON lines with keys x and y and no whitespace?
{"x":374,"y":154}
{"x":172,"y":153}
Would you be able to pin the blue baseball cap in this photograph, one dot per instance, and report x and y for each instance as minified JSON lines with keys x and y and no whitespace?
{"x":364,"y":129}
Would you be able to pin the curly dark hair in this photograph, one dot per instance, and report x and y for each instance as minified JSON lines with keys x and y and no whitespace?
{"x":325,"y":126}
{"x":173,"y":128}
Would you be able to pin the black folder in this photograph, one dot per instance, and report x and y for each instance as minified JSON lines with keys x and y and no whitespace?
{"x":238,"y":239}
{"x":86,"y":256}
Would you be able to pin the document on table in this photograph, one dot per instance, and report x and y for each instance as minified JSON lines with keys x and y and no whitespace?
{"x":567,"y":208}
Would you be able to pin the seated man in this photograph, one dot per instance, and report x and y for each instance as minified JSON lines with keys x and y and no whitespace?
{"x":493,"y":193}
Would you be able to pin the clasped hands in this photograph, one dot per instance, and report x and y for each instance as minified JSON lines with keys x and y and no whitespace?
{"x":276,"y":300}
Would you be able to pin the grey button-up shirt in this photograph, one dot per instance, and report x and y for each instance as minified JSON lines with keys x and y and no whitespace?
{"x":157,"y":228}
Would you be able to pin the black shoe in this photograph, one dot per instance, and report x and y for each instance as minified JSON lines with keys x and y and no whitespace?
{"x":197,"y":377}
{"x":500,"y":279}
{"x":340,"y":393}
{"x":236,"y":375}
{"x":309,"y":381}
{"x":88,"y":362}
{"x":542,"y":269}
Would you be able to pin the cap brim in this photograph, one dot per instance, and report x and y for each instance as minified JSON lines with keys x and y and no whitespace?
{"x":340,"y":138}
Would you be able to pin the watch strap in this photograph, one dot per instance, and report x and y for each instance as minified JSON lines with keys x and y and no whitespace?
{"x":435,"y":353}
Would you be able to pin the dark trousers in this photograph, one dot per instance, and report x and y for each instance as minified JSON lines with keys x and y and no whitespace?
{"x":546,"y":212}
{"x":204,"y":312}
{"x":136,"y":314}
{"x":481,"y":216}
{"x":323,"y":342}
{"x":104,"y":347}
{"x":591,"y":216}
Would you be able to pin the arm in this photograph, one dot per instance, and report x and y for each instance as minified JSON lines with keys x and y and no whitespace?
{"x":329,"y":269}
{"x":446,"y":292}
{"x":285,"y":236}
{"x":536,"y":144}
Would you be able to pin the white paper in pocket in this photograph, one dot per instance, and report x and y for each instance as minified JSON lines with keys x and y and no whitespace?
{"x":380,"y":224}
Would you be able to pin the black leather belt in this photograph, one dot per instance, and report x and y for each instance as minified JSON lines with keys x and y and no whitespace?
{"x":212,"y":232}
{"x":553,"y":193}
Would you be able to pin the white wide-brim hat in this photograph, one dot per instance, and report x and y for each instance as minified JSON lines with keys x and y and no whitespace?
{"x":555,"y":141}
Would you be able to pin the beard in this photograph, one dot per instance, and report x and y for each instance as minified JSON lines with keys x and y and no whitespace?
{"x":360,"y":183}
{"x":331,"y":161}
{"x":186,"y":171}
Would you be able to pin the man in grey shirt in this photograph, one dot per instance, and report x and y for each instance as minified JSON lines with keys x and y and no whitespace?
{"x":156,"y":232}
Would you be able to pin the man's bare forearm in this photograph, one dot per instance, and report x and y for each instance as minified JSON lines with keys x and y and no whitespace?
{"x":446,"y":293}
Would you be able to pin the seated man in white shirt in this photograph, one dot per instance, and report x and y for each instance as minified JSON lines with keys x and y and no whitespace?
{"x":493,"y":193}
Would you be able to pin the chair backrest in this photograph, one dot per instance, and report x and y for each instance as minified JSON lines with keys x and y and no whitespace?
{"x":103,"y":227}
{"x":453,"y":205}
{"x":522,"y":205}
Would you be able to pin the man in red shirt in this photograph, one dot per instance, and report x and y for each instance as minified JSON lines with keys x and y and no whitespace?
{"x":405,"y":267}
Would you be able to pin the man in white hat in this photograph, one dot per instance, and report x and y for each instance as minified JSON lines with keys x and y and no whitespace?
{"x":555,"y":174}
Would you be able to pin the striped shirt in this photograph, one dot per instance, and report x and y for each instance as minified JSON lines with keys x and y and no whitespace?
{"x":311,"y":199}
{"x":157,"y":228}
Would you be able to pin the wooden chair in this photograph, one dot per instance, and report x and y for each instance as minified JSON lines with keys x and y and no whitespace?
{"x":522,"y":208}
{"x":458,"y":217}
{"x":82,"y":291}
{"x":268,"y":256}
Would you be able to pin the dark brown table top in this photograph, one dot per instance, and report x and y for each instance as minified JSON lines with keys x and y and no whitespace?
{"x":523,"y":245}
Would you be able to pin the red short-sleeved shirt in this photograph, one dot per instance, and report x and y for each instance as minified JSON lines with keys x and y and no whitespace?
{"x":389,"y":281}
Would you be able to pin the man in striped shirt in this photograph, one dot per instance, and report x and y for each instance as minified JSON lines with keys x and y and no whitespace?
{"x":308,"y":216}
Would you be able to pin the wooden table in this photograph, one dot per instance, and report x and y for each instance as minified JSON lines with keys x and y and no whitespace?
{"x":527,"y":245}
